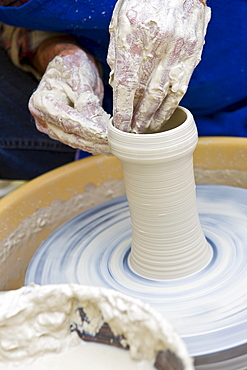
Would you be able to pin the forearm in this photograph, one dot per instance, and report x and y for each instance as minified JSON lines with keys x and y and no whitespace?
{"x":58,"y":45}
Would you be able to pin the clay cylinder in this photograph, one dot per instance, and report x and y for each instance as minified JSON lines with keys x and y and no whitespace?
{"x":167,"y":238}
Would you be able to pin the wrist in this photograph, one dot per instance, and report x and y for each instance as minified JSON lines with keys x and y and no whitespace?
{"x":50,"y":48}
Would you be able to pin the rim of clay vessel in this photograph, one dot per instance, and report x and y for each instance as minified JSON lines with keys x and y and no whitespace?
{"x":180,"y":130}
{"x":93,"y":314}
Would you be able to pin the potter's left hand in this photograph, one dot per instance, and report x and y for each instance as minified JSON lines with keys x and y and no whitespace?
{"x":155,"y":46}
{"x":67,"y":103}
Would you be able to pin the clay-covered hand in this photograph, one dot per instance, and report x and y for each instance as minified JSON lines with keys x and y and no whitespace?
{"x":67,"y":103}
{"x":154,"y":47}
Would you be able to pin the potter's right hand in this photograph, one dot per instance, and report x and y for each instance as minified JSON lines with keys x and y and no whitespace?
{"x":67,"y":103}
{"x":155,"y":46}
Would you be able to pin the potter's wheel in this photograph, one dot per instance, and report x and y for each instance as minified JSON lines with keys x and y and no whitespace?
{"x":208,"y":308}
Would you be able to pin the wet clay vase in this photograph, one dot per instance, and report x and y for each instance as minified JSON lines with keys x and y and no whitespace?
{"x":167,"y":238}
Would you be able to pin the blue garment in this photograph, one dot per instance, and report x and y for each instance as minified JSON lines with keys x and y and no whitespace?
{"x":217,"y":93}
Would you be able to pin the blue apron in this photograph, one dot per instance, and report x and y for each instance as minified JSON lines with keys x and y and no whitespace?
{"x":89,"y":19}
{"x":217,"y":93}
